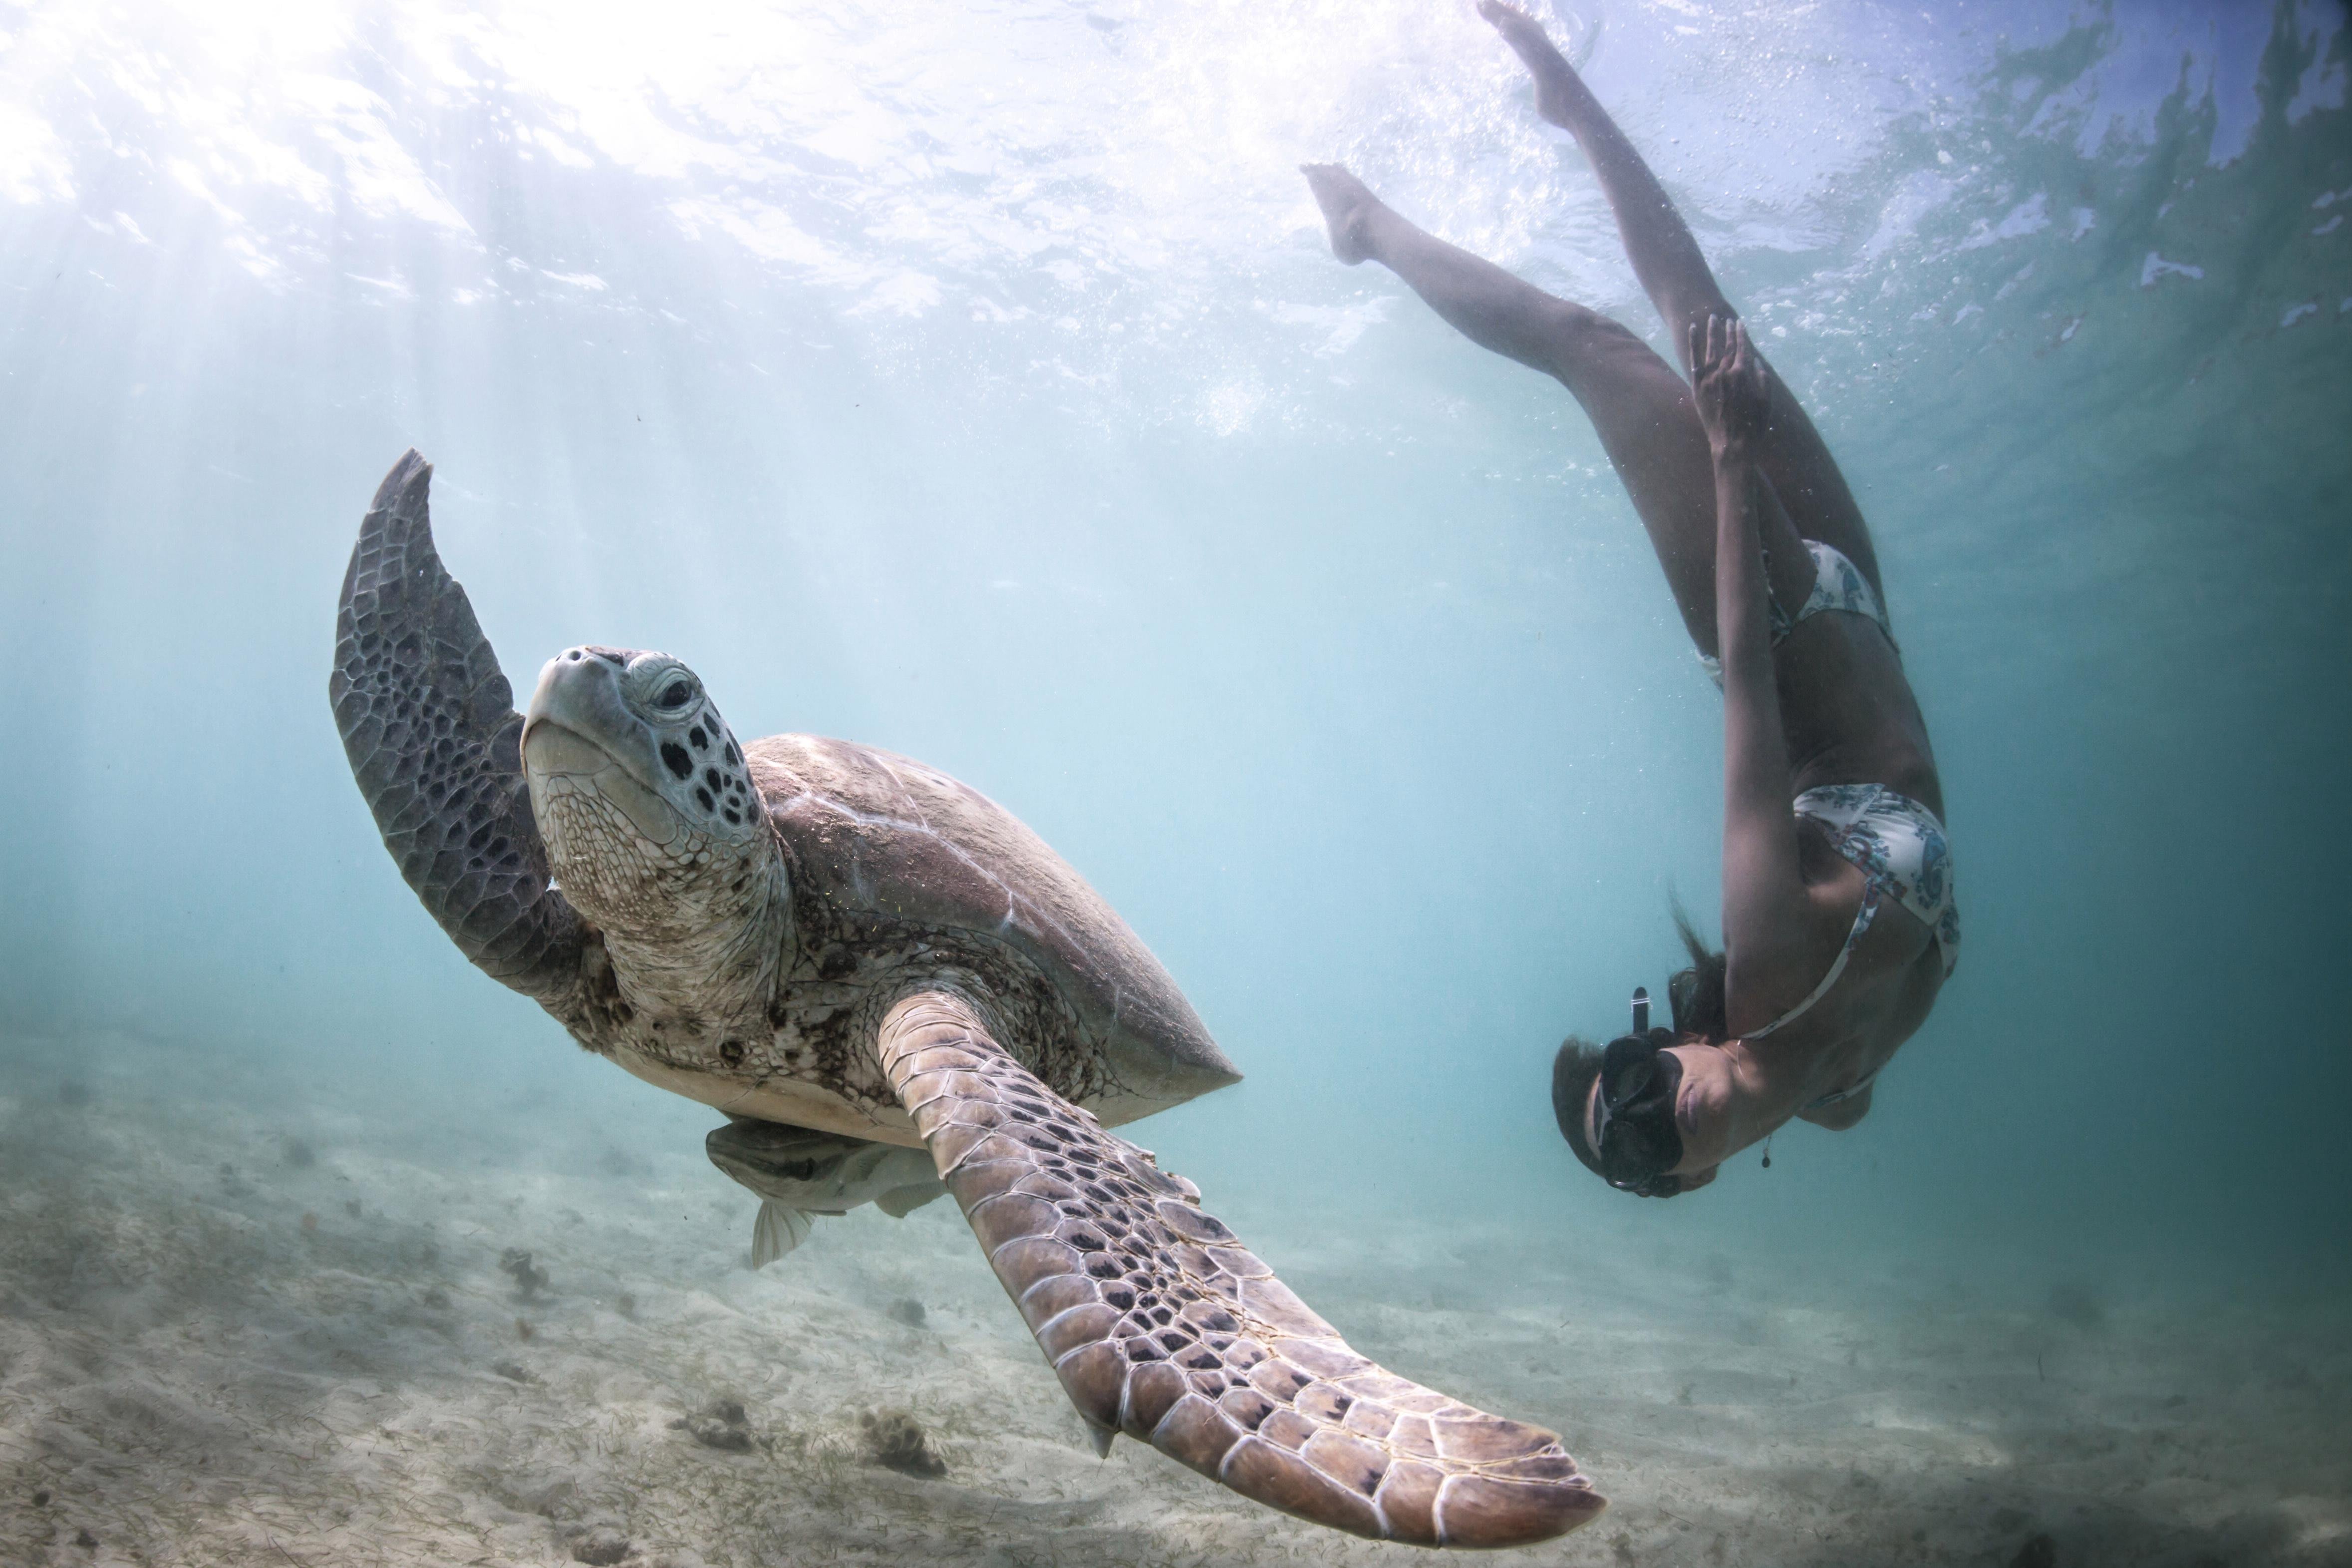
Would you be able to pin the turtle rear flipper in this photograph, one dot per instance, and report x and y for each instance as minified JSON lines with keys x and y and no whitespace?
{"x":1161,"y":1324}
{"x":429,"y":724}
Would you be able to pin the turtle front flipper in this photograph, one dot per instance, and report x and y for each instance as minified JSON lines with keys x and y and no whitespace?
{"x":1161,"y":1325}
{"x":429,"y":725}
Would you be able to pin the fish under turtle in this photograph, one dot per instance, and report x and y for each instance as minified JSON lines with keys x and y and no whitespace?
{"x":831,"y":938}
{"x":800,"y":1175}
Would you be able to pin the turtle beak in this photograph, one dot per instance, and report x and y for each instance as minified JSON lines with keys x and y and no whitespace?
{"x":580,"y":692}
{"x":578,"y":734}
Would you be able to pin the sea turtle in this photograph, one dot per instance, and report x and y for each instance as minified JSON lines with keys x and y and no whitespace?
{"x":830,"y":937}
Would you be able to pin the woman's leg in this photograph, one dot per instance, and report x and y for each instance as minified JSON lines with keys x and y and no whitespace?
{"x":1641,"y":409}
{"x":1667,"y":261}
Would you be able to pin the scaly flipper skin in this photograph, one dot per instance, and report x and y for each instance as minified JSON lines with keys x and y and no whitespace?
{"x":429,"y":724}
{"x":1160,"y":1325}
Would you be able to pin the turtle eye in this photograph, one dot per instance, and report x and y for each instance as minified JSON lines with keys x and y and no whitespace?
{"x":676,"y":695}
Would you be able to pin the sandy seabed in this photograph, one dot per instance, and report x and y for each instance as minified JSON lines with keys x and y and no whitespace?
{"x":242,"y":1327}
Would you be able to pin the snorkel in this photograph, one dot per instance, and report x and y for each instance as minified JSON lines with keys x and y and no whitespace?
{"x":1633,"y":1141}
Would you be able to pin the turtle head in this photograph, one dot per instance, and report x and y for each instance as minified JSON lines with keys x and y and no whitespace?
{"x":652,"y":826}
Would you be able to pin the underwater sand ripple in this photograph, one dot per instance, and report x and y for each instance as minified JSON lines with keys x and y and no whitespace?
{"x":213,"y":1352}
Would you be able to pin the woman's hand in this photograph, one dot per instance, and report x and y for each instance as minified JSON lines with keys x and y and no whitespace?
{"x":1727,"y":379}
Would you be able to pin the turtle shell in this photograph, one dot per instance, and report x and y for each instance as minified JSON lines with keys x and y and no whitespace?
{"x":869,"y":830}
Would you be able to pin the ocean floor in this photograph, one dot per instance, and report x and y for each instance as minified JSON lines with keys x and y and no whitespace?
{"x":244,"y":1324}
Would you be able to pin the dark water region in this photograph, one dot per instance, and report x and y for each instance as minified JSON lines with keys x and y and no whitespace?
{"x":975,"y":382}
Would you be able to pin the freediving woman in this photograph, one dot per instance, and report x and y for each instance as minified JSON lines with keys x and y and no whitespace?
{"x":1839,"y":921}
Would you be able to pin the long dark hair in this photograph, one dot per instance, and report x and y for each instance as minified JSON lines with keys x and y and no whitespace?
{"x":1695,"y":995}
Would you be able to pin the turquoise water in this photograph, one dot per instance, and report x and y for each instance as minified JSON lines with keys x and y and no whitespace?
{"x":974,"y":381}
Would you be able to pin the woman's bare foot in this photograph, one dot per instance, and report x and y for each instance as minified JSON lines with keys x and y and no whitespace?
{"x":1348,"y":206}
{"x":1556,"y":80}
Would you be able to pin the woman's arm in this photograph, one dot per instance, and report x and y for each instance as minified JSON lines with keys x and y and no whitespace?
{"x":1767,"y":919}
